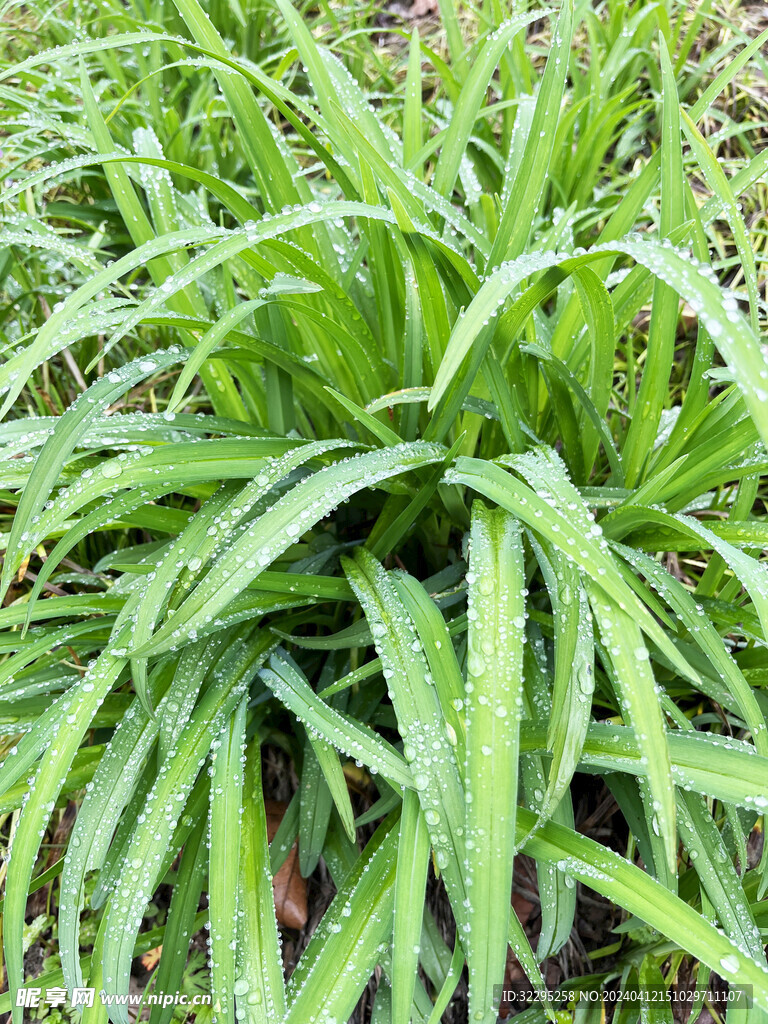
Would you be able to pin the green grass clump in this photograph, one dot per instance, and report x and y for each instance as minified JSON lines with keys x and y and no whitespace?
{"x":395,"y":399}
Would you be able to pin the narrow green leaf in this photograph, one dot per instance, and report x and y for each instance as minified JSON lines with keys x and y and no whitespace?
{"x":315,"y":803}
{"x":638,"y":693}
{"x":530,"y":179}
{"x":145,"y":854}
{"x":496,"y":612}
{"x":472,"y":94}
{"x":292,"y":689}
{"x":339,"y":960}
{"x":664,"y":307}
{"x":412,"y":111}
{"x":426,"y":744}
{"x":81,"y":702}
{"x":226,"y":807}
{"x":180,"y":923}
{"x":259,"y":989}
{"x":275,"y":531}
{"x":410,"y":886}
{"x":630,"y":887}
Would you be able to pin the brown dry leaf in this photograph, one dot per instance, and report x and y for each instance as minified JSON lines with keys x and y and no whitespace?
{"x":151,"y":958}
{"x":23,"y":569}
{"x":422,"y":8}
{"x":290,"y":888}
{"x":522,"y":907}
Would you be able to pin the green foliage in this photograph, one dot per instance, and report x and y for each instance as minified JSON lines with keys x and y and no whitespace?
{"x":333,"y":423}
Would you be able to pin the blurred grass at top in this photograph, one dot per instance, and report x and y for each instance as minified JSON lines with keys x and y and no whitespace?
{"x":170,"y":106}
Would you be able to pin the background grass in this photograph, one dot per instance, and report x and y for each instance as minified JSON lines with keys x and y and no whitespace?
{"x":385,"y":422}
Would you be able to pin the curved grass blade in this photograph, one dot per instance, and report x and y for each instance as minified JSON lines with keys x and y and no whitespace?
{"x":345,"y":947}
{"x":209,"y":530}
{"x":692,"y":281}
{"x":145,"y":852}
{"x":638,"y":694}
{"x":67,"y":431}
{"x":82,"y":701}
{"x":752,"y":574}
{"x":705,"y":636}
{"x":328,"y":760}
{"x":713,"y":865}
{"x":718,"y":182}
{"x":728,"y":770}
{"x":113,"y":784}
{"x":179,"y":926}
{"x":212,"y":337}
{"x":292,"y":689}
{"x":490,"y":480}
{"x":531,"y":174}
{"x":426,"y":745}
{"x":452,"y":979}
{"x":630,"y":887}
{"x":473,"y":92}
{"x":273,"y":532}
{"x":315,"y":805}
{"x":444,"y":668}
{"x":573,"y":681}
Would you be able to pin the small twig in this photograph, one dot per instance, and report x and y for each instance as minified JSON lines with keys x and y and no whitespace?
{"x":50,"y":587}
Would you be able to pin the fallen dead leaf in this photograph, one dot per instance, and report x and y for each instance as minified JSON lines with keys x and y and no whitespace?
{"x":152,"y":958}
{"x":289,"y":887}
{"x":422,"y":8}
{"x":23,"y":569}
